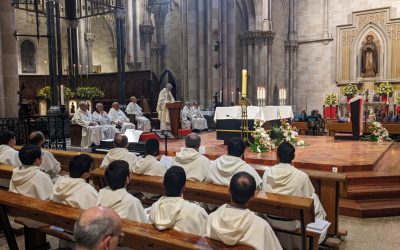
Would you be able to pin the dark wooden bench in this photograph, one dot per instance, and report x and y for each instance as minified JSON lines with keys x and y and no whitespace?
{"x":336,"y":127}
{"x":290,"y":207}
{"x":302,"y":127}
{"x":137,"y":235}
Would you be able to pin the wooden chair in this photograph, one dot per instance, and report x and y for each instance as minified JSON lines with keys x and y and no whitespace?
{"x":76,"y":135}
{"x":47,"y":214}
{"x":301,"y":126}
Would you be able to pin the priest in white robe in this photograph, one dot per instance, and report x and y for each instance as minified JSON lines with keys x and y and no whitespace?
{"x":142,"y":122}
{"x":120,"y":152}
{"x":196,"y":165}
{"x":235,"y":224}
{"x":198,"y":120}
{"x":8,"y":155}
{"x":186,"y":116}
{"x":284,"y":178}
{"x":49,"y":165}
{"x":116,"y":196}
{"x":74,"y":190}
{"x":172,"y":211}
{"x":29,"y":179}
{"x":149,"y":164}
{"x":164,"y":97}
{"x":224,"y":167}
{"x":91,"y":130}
{"x":119,"y":118}
{"x":103,"y":119}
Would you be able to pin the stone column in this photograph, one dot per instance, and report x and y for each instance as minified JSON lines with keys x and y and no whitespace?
{"x":269,"y":39}
{"x":72,"y":52}
{"x":83,"y":60}
{"x":202,"y":55}
{"x":146,"y":32}
{"x":291,"y":47}
{"x":326,"y":20}
{"x":130,"y":29}
{"x":9,"y":82}
{"x":89,"y":40}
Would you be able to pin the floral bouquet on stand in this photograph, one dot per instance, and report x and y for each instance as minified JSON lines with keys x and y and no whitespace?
{"x":385,"y":89}
{"x":379,"y":133}
{"x":349,"y":90}
{"x":330,"y":99}
{"x":285,"y":133}
{"x":262,"y":141}
{"x":45,"y":93}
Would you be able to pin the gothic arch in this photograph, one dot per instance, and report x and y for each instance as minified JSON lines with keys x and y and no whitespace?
{"x":28,"y":56}
{"x":385,"y":51}
{"x":171,"y":78}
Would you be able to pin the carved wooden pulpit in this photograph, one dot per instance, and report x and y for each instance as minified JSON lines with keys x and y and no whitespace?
{"x":174,"y":109}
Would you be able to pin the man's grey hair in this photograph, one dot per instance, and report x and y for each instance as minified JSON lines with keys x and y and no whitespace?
{"x":82,"y":103}
{"x":193,"y":140}
{"x":169,"y":86}
{"x":98,"y":105}
{"x":88,"y":236}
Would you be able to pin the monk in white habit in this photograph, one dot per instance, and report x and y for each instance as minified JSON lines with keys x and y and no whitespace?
{"x":28,"y":179}
{"x":186,"y":116}
{"x":224,"y":167}
{"x":119,"y":119}
{"x":8,"y":155}
{"x":198,"y":120}
{"x":116,"y":196}
{"x":235,"y":224}
{"x":172,"y":211}
{"x":150,"y":165}
{"x":103,"y":119}
{"x":196,"y":165}
{"x":91,"y":130}
{"x":50,"y":165}
{"x":74,"y":190}
{"x":142,"y":122}
{"x":284,"y":178}
{"x":120,"y":152}
{"x":164,"y":97}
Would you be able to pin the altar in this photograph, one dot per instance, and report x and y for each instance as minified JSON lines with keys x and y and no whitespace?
{"x":228,"y":119}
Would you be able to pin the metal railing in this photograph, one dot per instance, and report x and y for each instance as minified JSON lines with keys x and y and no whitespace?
{"x":54,"y":128}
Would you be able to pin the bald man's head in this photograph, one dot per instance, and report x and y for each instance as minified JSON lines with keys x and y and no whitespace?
{"x":97,"y":228}
{"x":193,"y":140}
{"x":36,"y":138}
{"x":121,"y":141}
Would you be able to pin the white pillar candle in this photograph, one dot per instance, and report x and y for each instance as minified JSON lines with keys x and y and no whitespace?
{"x":62,"y":94}
{"x":232,"y":97}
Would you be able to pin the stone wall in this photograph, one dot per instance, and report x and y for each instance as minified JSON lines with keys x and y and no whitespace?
{"x":316,"y":72}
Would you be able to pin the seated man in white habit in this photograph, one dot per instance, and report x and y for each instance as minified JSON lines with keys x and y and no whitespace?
{"x":92,"y":132}
{"x":198,"y":120}
{"x":235,"y":224}
{"x":164,"y":97}
{"x":119,"y":118}
{"x":143,"y":123}
{"x":284,"y":178}
{"x":102,"y":118}
{"x":186,"y":115}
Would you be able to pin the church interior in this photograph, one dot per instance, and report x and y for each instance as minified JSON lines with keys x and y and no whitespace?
{"x":247,"y":124}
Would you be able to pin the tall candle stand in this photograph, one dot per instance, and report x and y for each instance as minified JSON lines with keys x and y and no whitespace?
{"x":244,"y":126}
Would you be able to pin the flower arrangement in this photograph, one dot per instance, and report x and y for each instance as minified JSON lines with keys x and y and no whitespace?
{"x":349,"y":90}
{"x":384,"y":89}
{"x":330,"y":99}
{"x":397,"y":99}
{"x":285,"y":133}
{"x":379,"y":133}
{"x":262,"y":141}
{"x":45,"y":93}
{"x":89,"y":92}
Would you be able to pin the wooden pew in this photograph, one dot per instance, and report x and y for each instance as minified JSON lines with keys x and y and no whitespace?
{"x":392,"y":127}
{"x":137,"y":235}
{"x":301,"y":126}
{"x":328,"y":186}
{"x":295,"y":208}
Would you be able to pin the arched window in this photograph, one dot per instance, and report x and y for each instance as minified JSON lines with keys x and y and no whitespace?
{"x":28,"y":60}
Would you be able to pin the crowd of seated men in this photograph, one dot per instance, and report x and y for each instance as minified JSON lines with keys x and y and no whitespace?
{"x":232,"y":223}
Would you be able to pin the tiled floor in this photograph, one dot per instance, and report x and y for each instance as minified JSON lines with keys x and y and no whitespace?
{"x":363,"y":234}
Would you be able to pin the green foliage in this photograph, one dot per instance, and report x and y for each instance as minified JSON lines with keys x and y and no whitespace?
{"x":330,"y":99}
{"x":45,"y":93}
{"x":89,"y":92}
{"x":349,"y":90}
{"x":384,"y":89}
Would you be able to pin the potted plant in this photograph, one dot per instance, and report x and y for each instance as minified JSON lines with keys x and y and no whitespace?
{"x":44,"y":93}
{"x":89,"y":93}
{"x":385,"y":90}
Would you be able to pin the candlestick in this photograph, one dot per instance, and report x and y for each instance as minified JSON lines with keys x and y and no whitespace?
{"x":244,"y":83}
{"x":62,"y":94}
{"x":220,"y":96}
{"x":73,"y":71}
{"x":87,"y":71}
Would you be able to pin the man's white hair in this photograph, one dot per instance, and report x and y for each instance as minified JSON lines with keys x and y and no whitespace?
{"x":98,"y":104}
{"x":82,"y":102}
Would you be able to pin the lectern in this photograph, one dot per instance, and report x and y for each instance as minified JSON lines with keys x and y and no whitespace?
{"x":174,"y":109}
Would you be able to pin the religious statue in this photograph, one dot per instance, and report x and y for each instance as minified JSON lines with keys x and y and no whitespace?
{"x":72,"y":108}
{"x":369,"y":57}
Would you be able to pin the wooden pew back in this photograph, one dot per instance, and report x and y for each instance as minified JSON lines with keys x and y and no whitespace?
{"x":137,"y":235}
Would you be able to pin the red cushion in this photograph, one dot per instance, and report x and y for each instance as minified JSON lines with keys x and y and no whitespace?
{"x":146,"y":136}
{"x":184,"y":132}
